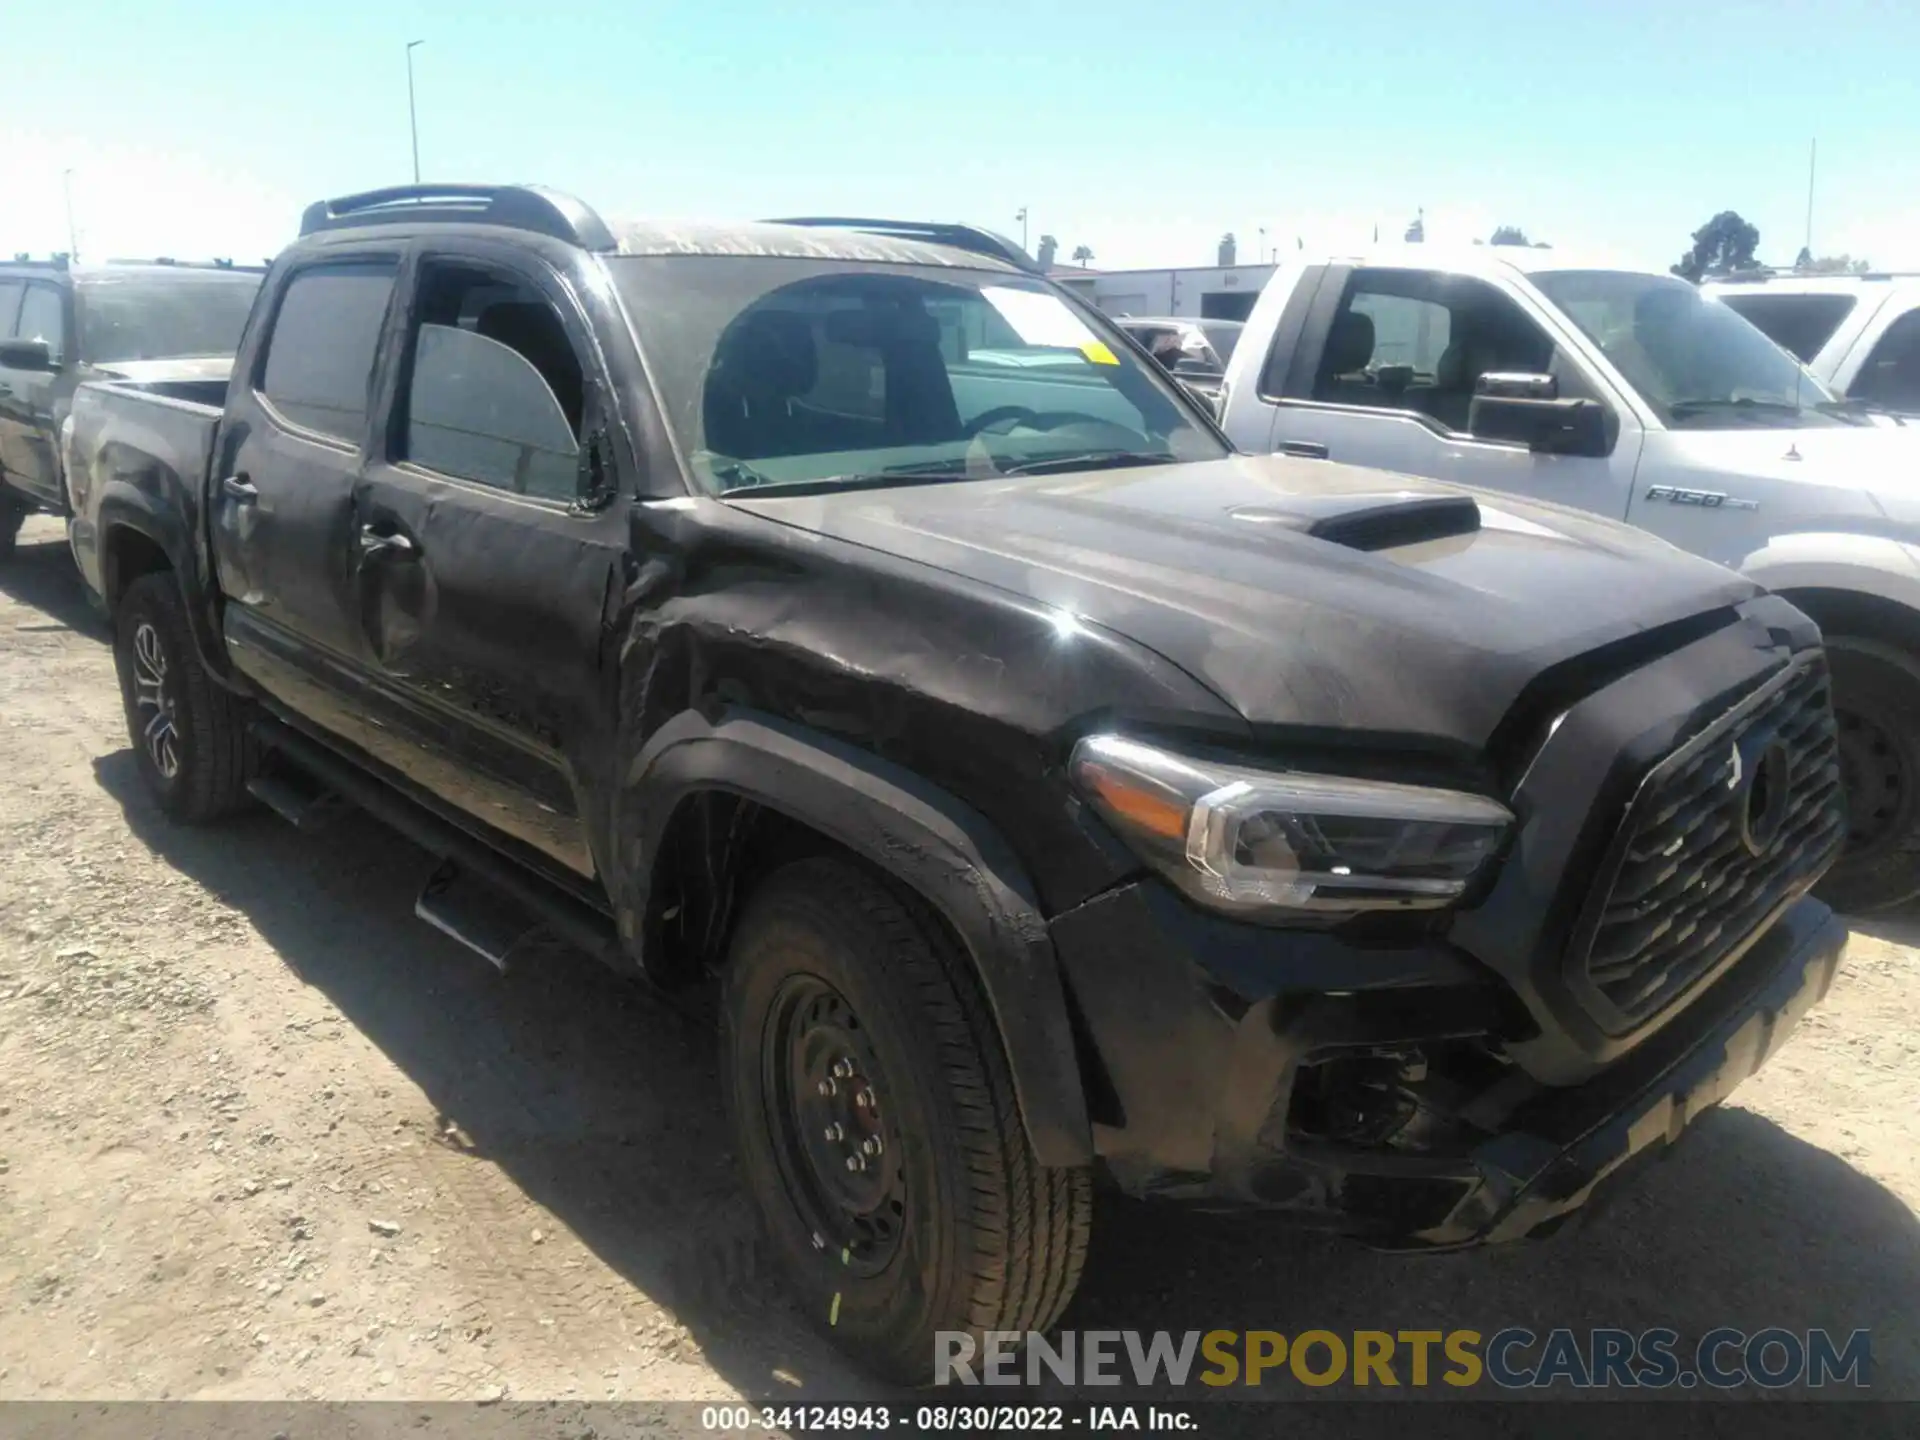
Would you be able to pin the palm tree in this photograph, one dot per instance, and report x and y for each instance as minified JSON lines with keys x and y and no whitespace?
{"x":1081,"y":255}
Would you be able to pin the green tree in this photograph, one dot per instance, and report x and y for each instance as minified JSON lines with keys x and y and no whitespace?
{"x":1725,"y":243}
{"x":1081,"y":255}
{"x":1048,"y":248}
{"x":1509,"y":235}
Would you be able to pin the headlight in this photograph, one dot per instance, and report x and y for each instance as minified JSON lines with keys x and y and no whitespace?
{"x":1247,"y":840}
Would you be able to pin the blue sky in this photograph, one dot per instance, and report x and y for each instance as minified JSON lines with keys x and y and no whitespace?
{"x":1142,"y":130}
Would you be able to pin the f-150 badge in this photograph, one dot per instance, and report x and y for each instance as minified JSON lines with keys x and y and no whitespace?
{"x":1705,"y":499}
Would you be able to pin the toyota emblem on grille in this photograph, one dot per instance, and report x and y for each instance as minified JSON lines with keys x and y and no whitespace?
{"x":1760,"y":785}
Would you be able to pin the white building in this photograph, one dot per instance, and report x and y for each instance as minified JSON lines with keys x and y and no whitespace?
{"x":1212,"y":292}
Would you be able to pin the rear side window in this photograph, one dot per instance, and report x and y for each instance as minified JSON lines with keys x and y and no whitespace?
{"x":1891,"y":375}
{"x":1798,"y":324}
{"x":320,"y":354}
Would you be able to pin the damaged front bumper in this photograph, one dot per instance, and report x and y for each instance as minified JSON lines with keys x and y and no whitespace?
{"x":1364,"y":1089}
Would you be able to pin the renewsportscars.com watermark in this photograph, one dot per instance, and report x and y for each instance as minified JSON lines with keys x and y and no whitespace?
{"x":1510,"y":1359}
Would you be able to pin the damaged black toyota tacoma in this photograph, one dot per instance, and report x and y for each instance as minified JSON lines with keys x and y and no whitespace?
{"x":838,"y":616}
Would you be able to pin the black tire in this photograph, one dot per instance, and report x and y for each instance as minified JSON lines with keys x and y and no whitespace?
{"x":189,"y":735}
{"x":1876,"y":698}
{"x":968,"y":1231}
{"x":12,"y":516}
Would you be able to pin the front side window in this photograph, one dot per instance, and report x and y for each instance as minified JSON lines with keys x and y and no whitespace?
{"x":1419,"y":341}
{"x":144,"y":316}
{"x":1798,"y":324}
{"x":786,"y":372}
{"x":1695,"y":362}
{"x":320,"y":356}
{"x":43,"y":317}
{"x":1891,"y":375}
{"x":495,"y":391}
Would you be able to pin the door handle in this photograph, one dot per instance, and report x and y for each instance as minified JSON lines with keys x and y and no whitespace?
{"x":1304,"y":449}
{"x":386,"y":542}
{"x":239,"y":487}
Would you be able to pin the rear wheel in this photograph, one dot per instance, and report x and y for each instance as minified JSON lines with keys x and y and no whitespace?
{"x":189,"y":735}
{"x":1876,"y":700}
{"x":877,"y":1126}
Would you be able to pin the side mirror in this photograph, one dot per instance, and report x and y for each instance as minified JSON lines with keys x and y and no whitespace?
{"x":1528,"y":410}
{"x":26,"y":355}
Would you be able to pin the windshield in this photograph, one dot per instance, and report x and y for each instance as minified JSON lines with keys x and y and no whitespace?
{"x":163,"y":317}
{"x":1694,"y":361}
{"x":794,"y":374}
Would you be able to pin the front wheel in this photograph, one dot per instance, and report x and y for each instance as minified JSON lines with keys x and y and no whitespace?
{"x":12,"y":516}
{"x":189,"y":735}
{"x":1876,"y":701}
{"x":877,"y":1126}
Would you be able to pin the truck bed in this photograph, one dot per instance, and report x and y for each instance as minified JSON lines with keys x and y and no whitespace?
{"x":141,"y":444}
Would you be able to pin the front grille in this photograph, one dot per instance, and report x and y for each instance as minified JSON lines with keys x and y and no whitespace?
{"x":1710,"y":848}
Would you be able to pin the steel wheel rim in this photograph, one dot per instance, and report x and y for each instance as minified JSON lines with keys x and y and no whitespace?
{"x":1873,"y":776}
{"x":153,"y":701}
{"x":830,"y":1121}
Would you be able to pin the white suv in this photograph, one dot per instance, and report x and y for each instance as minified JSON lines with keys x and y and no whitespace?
{"x":1859,"y":333}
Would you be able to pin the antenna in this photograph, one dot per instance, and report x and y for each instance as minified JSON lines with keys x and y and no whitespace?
{"x":1813,"y":150}
{"x":1799,"y":370}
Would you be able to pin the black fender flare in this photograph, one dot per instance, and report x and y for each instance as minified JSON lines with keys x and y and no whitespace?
{"x":942,"y":848}
{"x":126,"y":508}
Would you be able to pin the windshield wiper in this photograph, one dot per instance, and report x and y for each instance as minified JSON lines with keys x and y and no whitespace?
{"x":1745,"y":405}
{"x":834,"y":484}
{"x":1085,"y":460}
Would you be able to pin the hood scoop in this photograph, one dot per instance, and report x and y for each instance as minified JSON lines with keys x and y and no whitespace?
{"x":1384,"y":520}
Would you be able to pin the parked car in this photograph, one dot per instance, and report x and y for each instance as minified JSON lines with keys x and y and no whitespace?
{"x":62,"y":325}
{"x":1860,"y":334}
{"x":1631,"y":395}
{"x":1195,"y":352}
{"x":1040,"y":786}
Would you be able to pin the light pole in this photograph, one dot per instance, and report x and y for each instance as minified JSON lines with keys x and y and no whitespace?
{"x":1022,"y":218}
{"x":73,"y":235}
{"x":413,"y":117}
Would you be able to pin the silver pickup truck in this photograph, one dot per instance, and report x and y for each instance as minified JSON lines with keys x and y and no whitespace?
{"x":63,"y":325}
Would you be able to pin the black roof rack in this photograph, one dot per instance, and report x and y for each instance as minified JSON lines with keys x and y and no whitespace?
{"x":1787,"y":272}
{"x":58,"y":261}
{"x":960,"y":237}
{"x":518,"y":207}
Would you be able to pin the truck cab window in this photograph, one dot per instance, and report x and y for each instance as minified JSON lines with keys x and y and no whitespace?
{"x":320,"y":355}
{"x":1416,"y":340}
{"x":42,"y":317}
{"x":1891,"y":374}
{"x":496,"y":392}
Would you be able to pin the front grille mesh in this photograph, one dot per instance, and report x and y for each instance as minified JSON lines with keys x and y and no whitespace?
{"x":1688,"y":888}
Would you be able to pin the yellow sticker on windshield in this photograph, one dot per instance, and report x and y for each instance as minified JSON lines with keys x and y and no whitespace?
{"x":1098,"y":353}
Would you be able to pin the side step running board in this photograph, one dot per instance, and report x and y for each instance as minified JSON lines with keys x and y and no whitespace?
{"x":296,"y":800}
{"x":481,"y":918}
{"x":532,"y":903}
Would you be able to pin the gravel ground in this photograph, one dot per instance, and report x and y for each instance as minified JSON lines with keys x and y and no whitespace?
{"x":264,"y":1135}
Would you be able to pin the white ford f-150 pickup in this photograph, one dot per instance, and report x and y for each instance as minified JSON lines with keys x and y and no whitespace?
{"x":1634,"y":395}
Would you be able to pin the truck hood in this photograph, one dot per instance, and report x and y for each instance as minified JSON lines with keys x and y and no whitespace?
{"x":1865,"y":457}
{"x":1215,"y":567}
{"x":146,"y":372}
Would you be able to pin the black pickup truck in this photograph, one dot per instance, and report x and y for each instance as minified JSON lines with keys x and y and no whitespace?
{"x":1041,"y":789}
